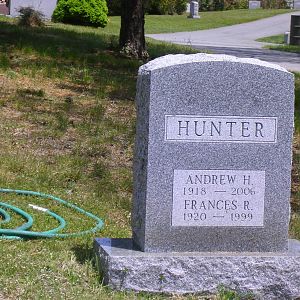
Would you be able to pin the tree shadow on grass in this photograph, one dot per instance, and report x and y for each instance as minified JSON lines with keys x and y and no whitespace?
{"x":86,"y":56}
{"x":86,"y":254}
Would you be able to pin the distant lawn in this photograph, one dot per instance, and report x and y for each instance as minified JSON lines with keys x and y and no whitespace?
{"x":274,"y":39}
{"x":214,"y":19}
{"x":286,"y":48}
{"x":279,"y":40}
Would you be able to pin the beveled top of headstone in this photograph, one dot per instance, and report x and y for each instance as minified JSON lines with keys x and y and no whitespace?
{"x":212,"y":167}
{"x":180,"y":59}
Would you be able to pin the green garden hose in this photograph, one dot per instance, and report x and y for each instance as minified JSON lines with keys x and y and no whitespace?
{"x":23,"y":230}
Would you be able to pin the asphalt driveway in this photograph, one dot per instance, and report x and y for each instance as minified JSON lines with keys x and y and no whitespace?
{"x":239,"y":40}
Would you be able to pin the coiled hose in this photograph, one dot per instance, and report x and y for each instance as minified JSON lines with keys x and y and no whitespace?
{"x":23,"y":231}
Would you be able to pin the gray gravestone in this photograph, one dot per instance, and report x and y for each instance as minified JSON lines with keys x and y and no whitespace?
{"x":212,"y":172}
{"x":194,"y":10}
{"x":213,"y":155}
{"x":296,"y":4}
{"x":44,"y":6}
{"x":254,"y":4}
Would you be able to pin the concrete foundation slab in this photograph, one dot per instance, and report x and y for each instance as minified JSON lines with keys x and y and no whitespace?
{"x":265,"y":275}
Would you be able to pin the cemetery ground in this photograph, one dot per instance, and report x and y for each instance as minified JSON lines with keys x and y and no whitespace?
{"x":67,"y":129}
{"x":279,"y":41}
{"x":208,"y":20}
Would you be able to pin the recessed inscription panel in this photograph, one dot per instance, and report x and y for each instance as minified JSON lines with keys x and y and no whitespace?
{"x":233,"y":129}
{"x":218,"y":198}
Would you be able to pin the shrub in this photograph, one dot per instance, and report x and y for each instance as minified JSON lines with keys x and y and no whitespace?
{"x":210,"y":5}
{"x":164,"y":7}
{"x":229,"y":4}
{"x":81,"y":12}
{"x":167,"y":7}
{"x":30,"y":17}
{"x":219,"y":4}
{"x":235,"y":4}
{"x":180,"y":6}
{"x":274,"y":4}
{"x":243,"y":4}
{"x":206,"y":5}
{"x":153,"y":7}
{"x":114,"y":7}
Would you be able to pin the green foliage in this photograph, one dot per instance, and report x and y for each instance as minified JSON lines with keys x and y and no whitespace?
{"x":215,"y":5}
{"x":166,"y":7}
{"x":219,"y":4}
{"x":153,"y":7}
{"x":180,"y":7}
{"x":235,"y":4}
{"x":211,"y":5}
{"x":30,"y":17}
{"x":114,"y":7}
{"x":81,"y":12}
{"x":274,"y":4}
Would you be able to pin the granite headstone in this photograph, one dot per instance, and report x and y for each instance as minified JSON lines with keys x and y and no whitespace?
{"x":296,"y":4}
{"x":253,"y":4}
{"x":212,"y":177}
{"x":213,"y":155}
{"x":194,"y":10}
{"x":46,"y":7}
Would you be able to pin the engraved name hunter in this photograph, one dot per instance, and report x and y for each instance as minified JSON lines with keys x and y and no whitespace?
{"x":220,"y":129}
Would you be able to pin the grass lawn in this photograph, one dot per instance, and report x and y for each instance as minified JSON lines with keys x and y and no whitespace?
{"x":279,"y":40}
{"x":286,"y":48}
{"x":214,"y":19}
{"x":274,"y":39}
{"x":67,"y":129}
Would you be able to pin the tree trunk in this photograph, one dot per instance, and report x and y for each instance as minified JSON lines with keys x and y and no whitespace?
{"x":132,"y":34}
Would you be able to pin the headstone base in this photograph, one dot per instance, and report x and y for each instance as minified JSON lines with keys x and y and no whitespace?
{"x":265,"y":275}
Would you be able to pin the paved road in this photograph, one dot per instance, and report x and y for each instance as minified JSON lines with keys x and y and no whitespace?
{"x":239,"y":40}
{"x":241,"y":35}
{"x":290,"y":61}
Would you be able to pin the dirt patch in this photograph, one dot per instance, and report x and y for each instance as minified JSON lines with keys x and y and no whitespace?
{"x":2,"y":297}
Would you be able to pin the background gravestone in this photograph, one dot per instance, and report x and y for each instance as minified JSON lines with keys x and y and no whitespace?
{"x":194,"y":10}
{"x":296,"y":4}
{"x":253,"y":4}
{"x":213,"y":155}
{"x":45,"y":6}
